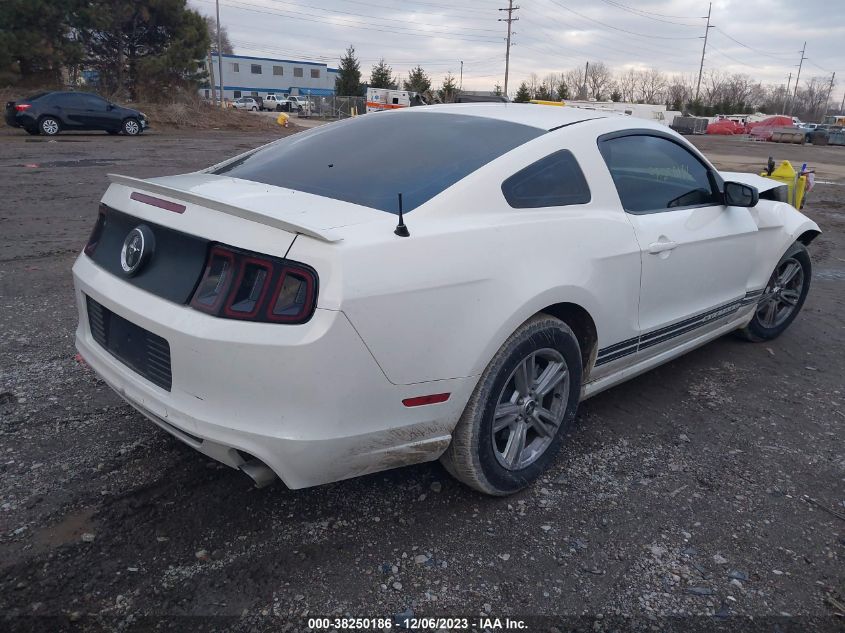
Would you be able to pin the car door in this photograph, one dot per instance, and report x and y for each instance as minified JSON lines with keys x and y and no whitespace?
{"x":696,"y":253}
{"x":97,"y":114}
{"x":70,"y":108}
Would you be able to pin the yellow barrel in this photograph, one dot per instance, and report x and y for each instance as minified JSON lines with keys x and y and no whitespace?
{"x":796,"y":182}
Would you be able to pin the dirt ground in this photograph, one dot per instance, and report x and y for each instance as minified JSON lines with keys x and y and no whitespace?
{"x":708,"y":494}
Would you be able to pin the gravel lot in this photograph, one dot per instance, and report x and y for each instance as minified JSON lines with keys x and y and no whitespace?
{"x":707,"y":491}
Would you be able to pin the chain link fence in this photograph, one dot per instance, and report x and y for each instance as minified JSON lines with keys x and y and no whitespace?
{"x":333,"y":107}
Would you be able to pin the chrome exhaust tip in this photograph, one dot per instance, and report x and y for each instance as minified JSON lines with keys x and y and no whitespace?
{"x":259,"y":472}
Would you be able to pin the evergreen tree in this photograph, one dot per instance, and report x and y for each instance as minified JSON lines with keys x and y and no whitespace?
{"x":562,"y":91}
{"x":418,"y":81}
{"x":35,"y":39}
{"x":523,"y":94}
{"x":381,"y":76}
{"x":497,"y":89}
{"x":449,"y":90}
{"x":543,"y":92}
{"x":617,"y":96}
{"x":348,"y":81}
{"x":149,"y":45}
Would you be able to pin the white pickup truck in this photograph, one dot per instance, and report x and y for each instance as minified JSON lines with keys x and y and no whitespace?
{"x":287,"y":104}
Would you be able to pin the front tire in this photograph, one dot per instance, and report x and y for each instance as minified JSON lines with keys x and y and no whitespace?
{"x":49,"y":126}
{"x":254,"y":109}
{"x":131,"y":127}
{"x":515,"y":420}
{"x":783,"y":297}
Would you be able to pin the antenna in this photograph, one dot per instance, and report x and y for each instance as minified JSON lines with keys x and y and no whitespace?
{"x":401,"y":230}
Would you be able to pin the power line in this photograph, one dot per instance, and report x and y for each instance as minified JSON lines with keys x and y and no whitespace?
{"x":751,"y":48}
{"x":616,"y":28}
{"x":629,"y":47}
{"x":295,"y":15}
{"x":371,"y":17}
{"x":651,"y":16}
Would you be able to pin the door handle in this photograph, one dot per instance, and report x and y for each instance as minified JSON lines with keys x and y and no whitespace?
{"x":659,"y":247}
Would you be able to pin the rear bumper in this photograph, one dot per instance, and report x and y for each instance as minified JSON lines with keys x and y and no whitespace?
{"x":309,"y":400}
{"x":20,"y":119}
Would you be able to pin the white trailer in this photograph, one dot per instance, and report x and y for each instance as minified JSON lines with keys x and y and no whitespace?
{"x":386,"y":99}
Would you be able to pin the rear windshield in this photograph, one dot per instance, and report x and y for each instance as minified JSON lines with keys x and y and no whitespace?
{"x":369,"y":159}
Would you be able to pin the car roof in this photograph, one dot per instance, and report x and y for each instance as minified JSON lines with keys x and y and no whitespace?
{"x":543,"y":117}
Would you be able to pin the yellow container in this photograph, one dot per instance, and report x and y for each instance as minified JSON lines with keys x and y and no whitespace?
{"x":797,"y":183}
{"x":282,"y":119}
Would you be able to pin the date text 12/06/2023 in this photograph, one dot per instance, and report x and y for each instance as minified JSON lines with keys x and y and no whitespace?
{"x":412,"y":623}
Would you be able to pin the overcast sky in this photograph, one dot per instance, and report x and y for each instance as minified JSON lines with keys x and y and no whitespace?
{"x":762,"y":38}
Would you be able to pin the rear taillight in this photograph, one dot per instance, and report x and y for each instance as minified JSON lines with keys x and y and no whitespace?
{"x":252,"y":287}
{"x":97,"y":231}
{"x":20,"y":107}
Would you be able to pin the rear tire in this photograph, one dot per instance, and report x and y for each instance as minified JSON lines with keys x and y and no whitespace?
{"x":783,"y":297}
{"x":524,"y":402}
{"x":49,"y":126}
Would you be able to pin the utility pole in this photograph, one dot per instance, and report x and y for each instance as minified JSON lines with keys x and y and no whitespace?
{"x":797,"y":77}
{"x":510,"y":20}
{"x":220,"y":55}
{"x":842,"y":105}
{"x":703,"y":50}
{"x":786,"y":95}
{"x":584,"y":86}
{"x":461,"y":83}
{"x":829,"y":90}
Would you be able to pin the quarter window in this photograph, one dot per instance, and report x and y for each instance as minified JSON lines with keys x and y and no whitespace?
{"x":654,"y":174}
{"x":297,"y":72}
{"x":553,"y":181}
{"x":255,"y":69}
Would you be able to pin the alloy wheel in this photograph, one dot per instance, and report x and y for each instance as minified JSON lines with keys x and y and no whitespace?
{"x":50,"y":127}
{"x":530,"y":409}
{"x":782,"y":294}
{"x":131,"y":127}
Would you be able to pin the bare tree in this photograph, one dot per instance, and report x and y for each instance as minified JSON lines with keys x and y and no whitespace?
{"x":627,"y":84}
{"x":598,"y":81}
{"x":575,"y":82}
{"x":651,"y":85}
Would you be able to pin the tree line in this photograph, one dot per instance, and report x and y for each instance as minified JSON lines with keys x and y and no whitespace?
{"x":349,"y":82}
{"x":135,"y":47}
{"x":719,"y":93}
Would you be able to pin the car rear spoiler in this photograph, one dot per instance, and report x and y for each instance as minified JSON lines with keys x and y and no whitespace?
{"x":327,"y":235}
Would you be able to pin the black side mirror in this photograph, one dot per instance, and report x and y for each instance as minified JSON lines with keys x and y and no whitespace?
{"x":110,"y":106}
{"x":740,"y":195}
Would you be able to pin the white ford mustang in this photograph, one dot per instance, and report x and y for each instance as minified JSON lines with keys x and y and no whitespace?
{"x":276,"y":312}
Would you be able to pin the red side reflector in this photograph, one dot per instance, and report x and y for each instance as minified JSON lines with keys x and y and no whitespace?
{"x":157,"y":202}
{"x":422,"y":400}
{"x":23,"y":106}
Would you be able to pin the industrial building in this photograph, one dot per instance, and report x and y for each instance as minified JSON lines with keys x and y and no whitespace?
{"x":245,"y":76}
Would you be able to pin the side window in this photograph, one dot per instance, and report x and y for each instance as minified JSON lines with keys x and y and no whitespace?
{"x":655,"y":174}
{"x":255,"y":69}
{"x":297,"y":72}
{"x":237,"y":94}
{"x":93,"y":102}
{"x":553,"y":181}
{"x":236,"y":68}
{"x":278,"y":71}
{"x":315,"y":73}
